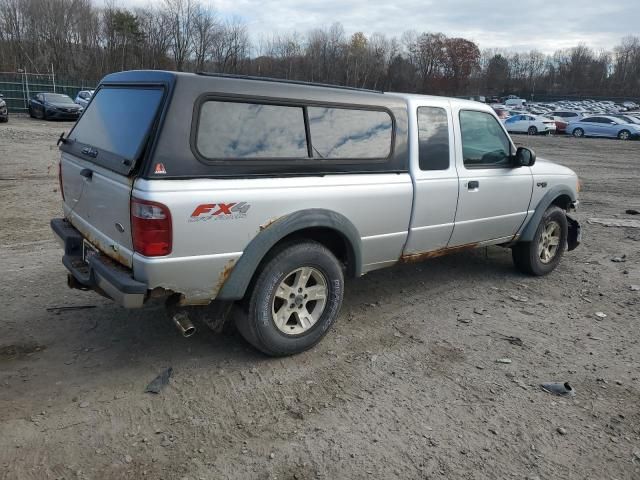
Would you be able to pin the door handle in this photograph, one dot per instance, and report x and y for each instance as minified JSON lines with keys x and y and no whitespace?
{"x":473,"y":184}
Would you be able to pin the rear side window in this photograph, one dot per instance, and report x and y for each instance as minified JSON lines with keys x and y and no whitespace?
{"x":118,"y":121}
{"x":252,"y":131}
{"x":433,"y":138}
{"x":350,"y":134}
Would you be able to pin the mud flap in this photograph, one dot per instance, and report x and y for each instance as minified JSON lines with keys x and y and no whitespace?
{"x":575,"y":234}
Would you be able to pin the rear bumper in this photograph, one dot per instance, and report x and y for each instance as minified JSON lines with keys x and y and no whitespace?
{"x":99,"y":272}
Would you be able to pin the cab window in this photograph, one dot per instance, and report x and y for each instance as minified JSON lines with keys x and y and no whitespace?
{"x":433,"y":138}
{"x":484,"y":143}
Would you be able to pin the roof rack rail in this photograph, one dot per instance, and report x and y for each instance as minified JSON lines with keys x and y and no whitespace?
{"x":282,"y":80}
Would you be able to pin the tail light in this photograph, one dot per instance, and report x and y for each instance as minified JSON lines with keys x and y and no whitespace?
{"x":60,"y":179}
{"x":151,"y":228}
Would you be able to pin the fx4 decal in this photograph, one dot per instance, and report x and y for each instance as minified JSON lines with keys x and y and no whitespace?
{"x":220,"y":211}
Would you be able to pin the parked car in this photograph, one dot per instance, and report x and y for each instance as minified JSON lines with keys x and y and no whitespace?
{"x":561,"y":124}
{"x":567,"y":115}
{"x":83,"y":97}
{"x":627,"y":118}
{"x":501,"y":111}
{"x":531,"y":124}
{"x":4,"y":112}
{"x":601,"y":126}
{"x":53,"y":106}
{"x":515,"y":102}
{"x":259,"y":196}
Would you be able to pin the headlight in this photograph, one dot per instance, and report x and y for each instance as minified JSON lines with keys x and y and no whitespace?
{"x":2,"y":103}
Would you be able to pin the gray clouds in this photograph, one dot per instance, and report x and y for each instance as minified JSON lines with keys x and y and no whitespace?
{"x":507,"y":24}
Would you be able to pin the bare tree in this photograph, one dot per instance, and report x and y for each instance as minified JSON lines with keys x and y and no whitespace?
{"x":180,"y":14}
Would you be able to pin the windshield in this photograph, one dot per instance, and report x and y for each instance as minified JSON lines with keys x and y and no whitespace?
{"x":118,"y":120}
{"x":57,"y":98}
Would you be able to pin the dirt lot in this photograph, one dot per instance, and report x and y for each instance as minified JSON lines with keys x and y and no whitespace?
{"x":405,"y":386}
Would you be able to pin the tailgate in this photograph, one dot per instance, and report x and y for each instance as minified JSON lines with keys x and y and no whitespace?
{"x":98,"y":162}
{"x":97,"y":204}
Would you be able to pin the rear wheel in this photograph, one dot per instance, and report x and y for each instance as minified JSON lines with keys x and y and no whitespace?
{"x":543,"y":253}
{"x":578,"y":133}
{"x":532,"y":130}
{"x":31,"y":114}
{"x":624,"y":135}
{"x":295,"y":300}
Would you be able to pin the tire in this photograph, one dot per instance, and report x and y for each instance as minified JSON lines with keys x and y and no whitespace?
{"x":624,"y":135}
{"x":31,"y":114}
{"x":578,"y":133}
{"x":532,"y":130}
{"x":303,"y":322}
{"x":538,"y":257}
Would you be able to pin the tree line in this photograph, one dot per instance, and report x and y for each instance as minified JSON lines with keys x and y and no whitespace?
{"x":77,"y":39}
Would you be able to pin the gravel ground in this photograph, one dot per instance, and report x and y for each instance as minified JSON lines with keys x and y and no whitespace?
{"x":405,"y":386}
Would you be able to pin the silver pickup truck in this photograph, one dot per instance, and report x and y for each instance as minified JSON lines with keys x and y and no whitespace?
{"x":256,"y":197}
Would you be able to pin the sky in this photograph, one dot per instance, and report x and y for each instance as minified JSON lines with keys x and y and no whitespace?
{"x":517,"y":25}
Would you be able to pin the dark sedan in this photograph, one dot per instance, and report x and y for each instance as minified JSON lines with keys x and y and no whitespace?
{"x":53,"y":106}
{"x":4,"y":113}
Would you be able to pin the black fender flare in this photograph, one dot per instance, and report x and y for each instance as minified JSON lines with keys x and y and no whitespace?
{"x":530,"y":228}
{"x":236,"y":284}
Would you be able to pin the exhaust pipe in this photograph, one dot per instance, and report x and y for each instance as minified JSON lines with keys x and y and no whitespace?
{"x":184,"y":325}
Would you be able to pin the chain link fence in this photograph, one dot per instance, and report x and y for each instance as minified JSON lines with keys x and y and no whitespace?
{"x":18,"y":87}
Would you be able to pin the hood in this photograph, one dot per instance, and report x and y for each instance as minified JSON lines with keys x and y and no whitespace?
{"x":546,"y":167}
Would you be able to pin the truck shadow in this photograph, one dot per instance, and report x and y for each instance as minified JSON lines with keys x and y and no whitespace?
{"x":119,"y":346}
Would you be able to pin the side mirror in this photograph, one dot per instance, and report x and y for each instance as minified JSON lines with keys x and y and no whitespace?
{"x":524,"y":157}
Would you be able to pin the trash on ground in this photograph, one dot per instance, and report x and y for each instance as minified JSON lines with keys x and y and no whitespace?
{"x":632,"y":211}
{"x":615,"y":222}
{"x":621,"y":259}
{"x":601,"y":315}
{"x":559,"y":388}
{"x":58,"y":310}
{"x":503,"y":360}
{"x":512,"y":340}
{"x":634,"y":288}
{"x":160,"y":381}
{"x":561,"y":431}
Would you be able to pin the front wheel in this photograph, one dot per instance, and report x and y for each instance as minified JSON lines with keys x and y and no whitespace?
{"x":295,"y":300}
{"x":543,"y":253}
{"x":624,"y":135}
{"x":532,"y":130}
{"x":578,"y":133}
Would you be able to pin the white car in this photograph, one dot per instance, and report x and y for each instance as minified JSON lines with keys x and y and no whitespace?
{"x":83,"y":97}
{"x":531,"y":124}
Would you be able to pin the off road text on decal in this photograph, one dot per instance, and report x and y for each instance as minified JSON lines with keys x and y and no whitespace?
{"x":219,"y":211}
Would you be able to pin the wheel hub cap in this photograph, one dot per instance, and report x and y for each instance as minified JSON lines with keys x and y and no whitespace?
{"x":549,"y":242}
{"x":299,"y":300}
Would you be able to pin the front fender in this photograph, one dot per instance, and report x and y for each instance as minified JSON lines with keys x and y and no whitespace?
{"x":529,"y":230}
{"x":236,"y":284}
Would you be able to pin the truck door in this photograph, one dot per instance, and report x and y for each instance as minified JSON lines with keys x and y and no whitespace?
{"x":434,"y":175}
{"x":494,"y":196}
